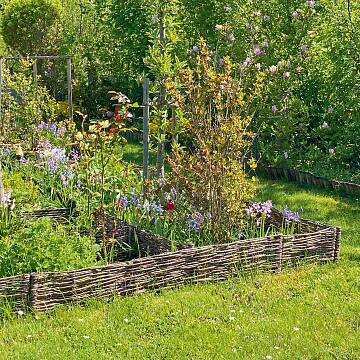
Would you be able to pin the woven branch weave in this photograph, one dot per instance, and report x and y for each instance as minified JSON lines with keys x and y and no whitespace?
{"x":304,"y":177}
{"x":43,"y":291}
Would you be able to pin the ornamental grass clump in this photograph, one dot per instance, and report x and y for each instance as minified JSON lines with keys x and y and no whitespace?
{"x":214,"y":104}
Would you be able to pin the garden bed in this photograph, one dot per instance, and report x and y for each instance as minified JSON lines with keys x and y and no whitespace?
{"x":304,"y":177}
{"x":158,"y":266}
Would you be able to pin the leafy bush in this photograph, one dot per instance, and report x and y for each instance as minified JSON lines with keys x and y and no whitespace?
{"x":39,"y":246}
{"x":31,"y":26}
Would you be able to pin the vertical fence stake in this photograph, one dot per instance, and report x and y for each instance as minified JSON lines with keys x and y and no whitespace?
{"x":146,"y":114}
{"x":69,"y":84}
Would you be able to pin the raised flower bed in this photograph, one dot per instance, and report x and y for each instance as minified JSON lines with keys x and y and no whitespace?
{"x":162,"y":265}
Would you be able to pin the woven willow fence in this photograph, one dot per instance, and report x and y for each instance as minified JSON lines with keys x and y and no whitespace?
{"x":164,"y":268}
{"x":304,"y":177}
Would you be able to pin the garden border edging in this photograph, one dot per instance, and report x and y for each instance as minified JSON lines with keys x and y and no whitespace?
{"x":44,"y":291}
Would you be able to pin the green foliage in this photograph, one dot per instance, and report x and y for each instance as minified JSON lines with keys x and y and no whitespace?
{"x":24,"y":105}
{"x":249,"y":317}
{"x":39,"y":246}
{"x":31,"y":26}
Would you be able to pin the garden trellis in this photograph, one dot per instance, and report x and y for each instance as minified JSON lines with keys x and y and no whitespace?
{"x":5,"y":63}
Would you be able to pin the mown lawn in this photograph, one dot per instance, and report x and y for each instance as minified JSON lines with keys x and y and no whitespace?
{"x":312,"y":312}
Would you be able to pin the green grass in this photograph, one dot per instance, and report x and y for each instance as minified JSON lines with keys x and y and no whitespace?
{"x":312,"y":312}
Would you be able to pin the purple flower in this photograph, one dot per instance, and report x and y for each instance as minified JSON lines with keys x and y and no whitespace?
{"x":109,"y":114}
{"x":330,"y":110}
{"x":134,"y":199}
{"x":266,"y":18}
{"x":274,"y":108}
{"x":173,"y":193}
{"x":295,"y":14}
{"x":121,"y":201}
{"x":74,"y":155}
{"x":208,"y":216}
{"x":257,"y":50}
{"x":292,"y":216}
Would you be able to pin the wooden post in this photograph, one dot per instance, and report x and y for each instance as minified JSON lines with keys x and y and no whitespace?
{"x":146,"y":115}
{"x":2,"y":188}
{"x":69,"y":84}
{"x":174,"y":126}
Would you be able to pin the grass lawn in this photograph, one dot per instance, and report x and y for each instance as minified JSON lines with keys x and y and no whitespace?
{"x":312,"y":312}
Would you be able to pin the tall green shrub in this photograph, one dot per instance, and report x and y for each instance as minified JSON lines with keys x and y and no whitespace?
{"x":31,"y":26}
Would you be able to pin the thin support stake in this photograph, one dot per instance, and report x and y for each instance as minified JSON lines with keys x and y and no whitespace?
{"x":146,"y":115}
{"x":35,"y":73}
{"x":69,"y":84}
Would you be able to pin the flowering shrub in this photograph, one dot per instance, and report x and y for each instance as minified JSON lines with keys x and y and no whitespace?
{"x":214,"y":106}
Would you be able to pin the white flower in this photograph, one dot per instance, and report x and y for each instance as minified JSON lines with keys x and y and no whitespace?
{"x":232,"y":318}
{"x":268,"y":357}
{"x":295,"y":328}
{"x":219,"y":27}
{"x":325,"y":125}
{"x":20,"y":313}
{"x":231,"y":37}
{"x":273,"y":69}
{"x":126,"y":321}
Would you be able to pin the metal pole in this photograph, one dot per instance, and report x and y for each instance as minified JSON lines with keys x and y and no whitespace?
{"x":69,"y":84}
{"x":146,"y":115}
{"x":162,"y":97}
{"x":35,"y":73}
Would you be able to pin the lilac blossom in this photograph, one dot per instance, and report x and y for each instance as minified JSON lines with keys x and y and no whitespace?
{"x":260,"y":209}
